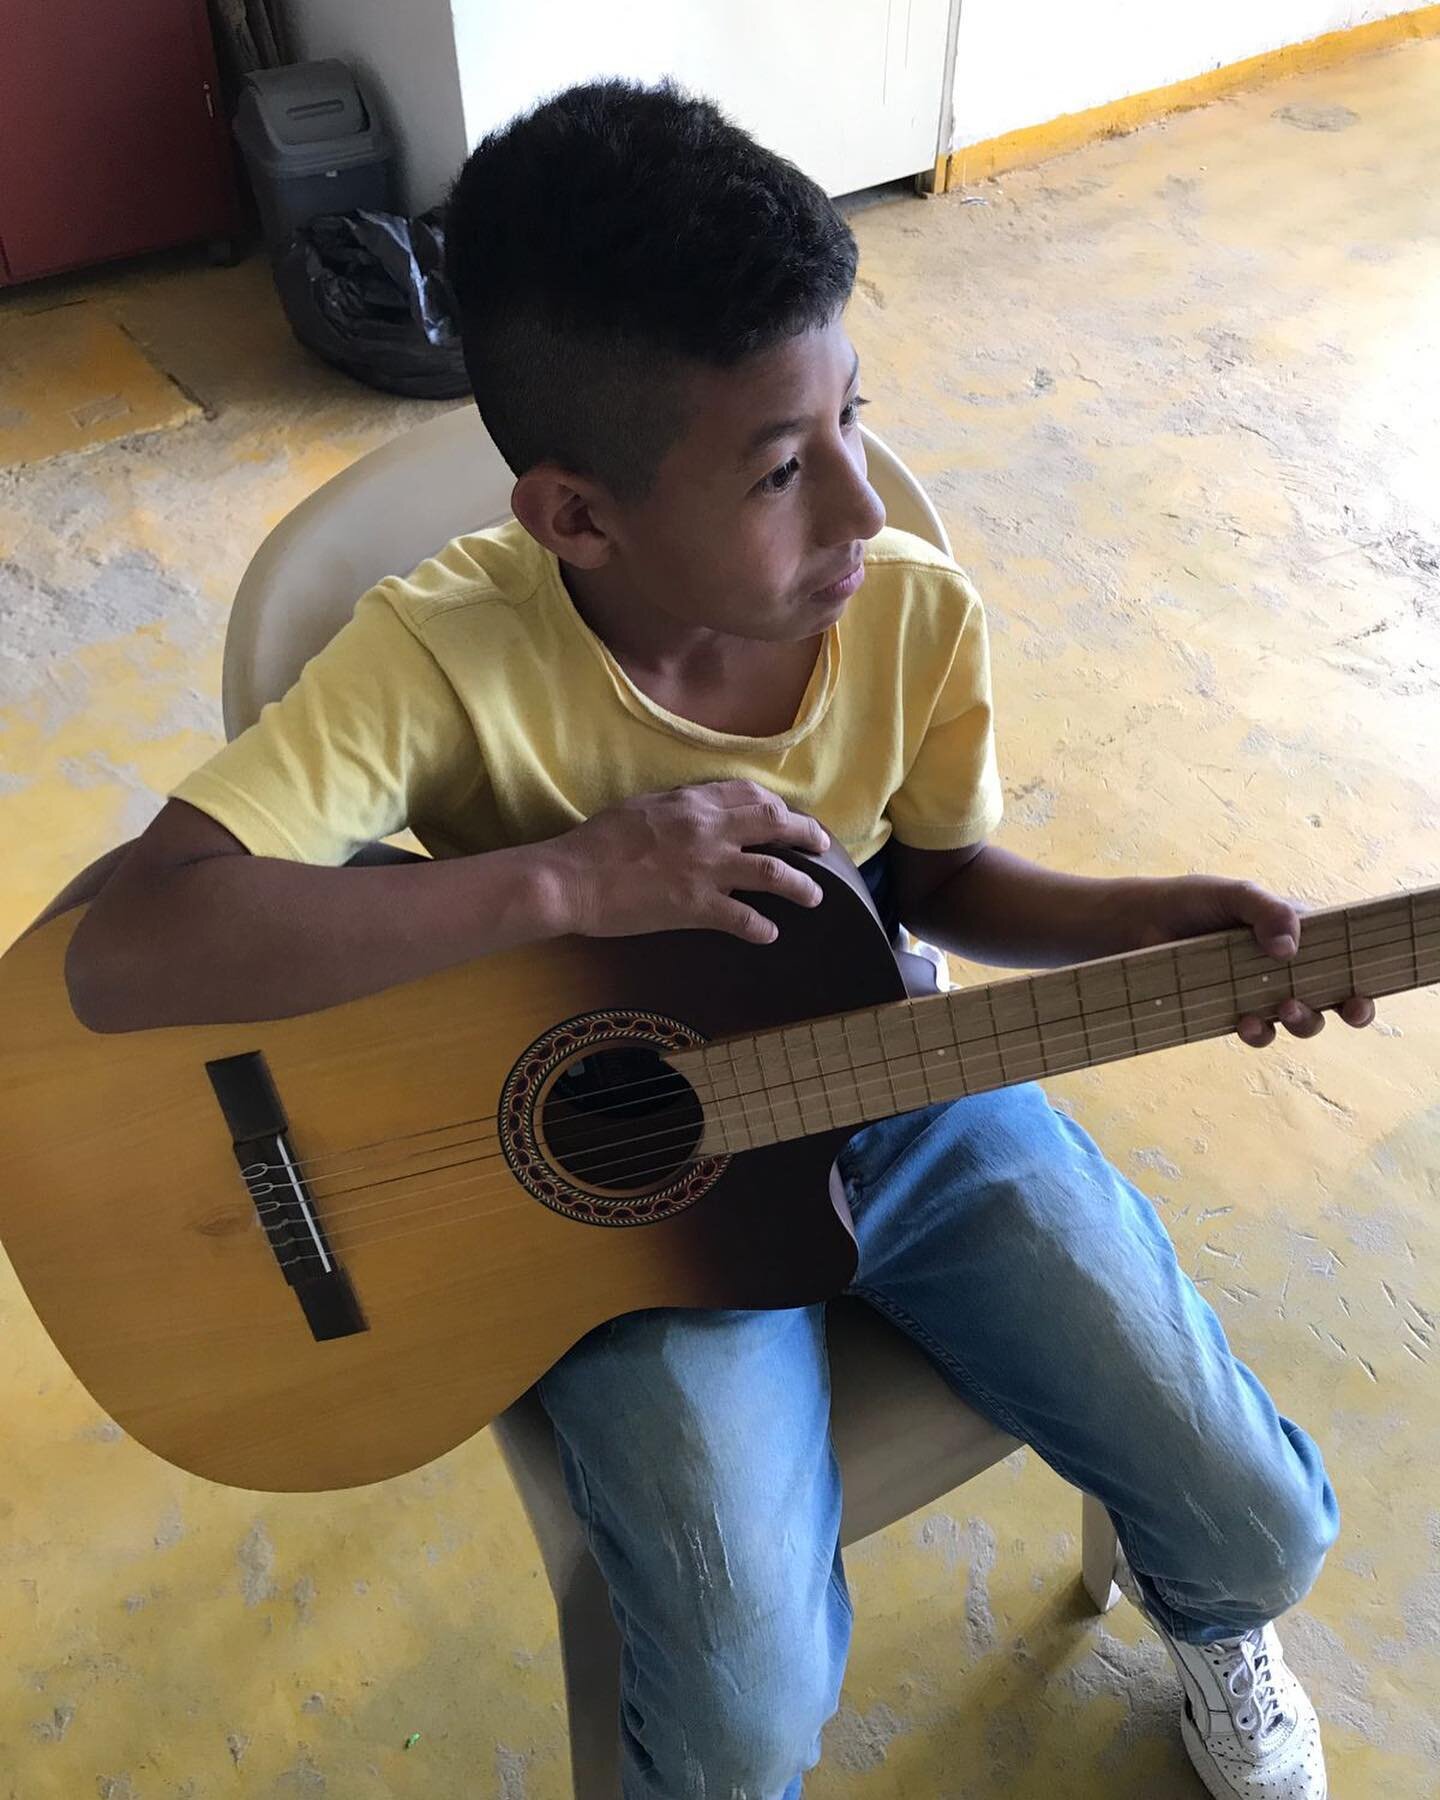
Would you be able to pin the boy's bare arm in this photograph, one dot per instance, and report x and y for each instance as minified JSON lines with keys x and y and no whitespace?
{"x":989,"y":904}
{"x":188,"y":927}
{"x":83,"y":889}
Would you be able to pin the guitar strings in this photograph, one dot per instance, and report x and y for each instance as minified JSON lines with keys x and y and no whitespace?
{"x":256,"y":1170}
{"x":680,"y":1085}
{"x":373,"y":1239}
{"x":976,"y":1047}
{"x":1118,"y":1041}
{"x":1241,"y":972}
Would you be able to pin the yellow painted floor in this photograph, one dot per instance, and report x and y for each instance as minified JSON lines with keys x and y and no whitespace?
{"x":1177,"y":396}
{"x":70,"y":378}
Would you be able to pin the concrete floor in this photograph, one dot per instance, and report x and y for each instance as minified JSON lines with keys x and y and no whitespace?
{"x":1176,"y":396}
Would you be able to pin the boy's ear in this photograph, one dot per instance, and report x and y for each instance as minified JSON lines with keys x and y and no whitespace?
{"x":565,"y":513}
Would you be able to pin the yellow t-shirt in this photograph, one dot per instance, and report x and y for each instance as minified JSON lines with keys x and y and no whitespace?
{"x":470,"y":702}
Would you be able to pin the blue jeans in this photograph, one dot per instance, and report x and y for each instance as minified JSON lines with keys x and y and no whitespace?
{"x":697,"y":1452}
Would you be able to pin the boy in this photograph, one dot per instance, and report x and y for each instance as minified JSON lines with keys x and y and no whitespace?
{"x":592,"y":717}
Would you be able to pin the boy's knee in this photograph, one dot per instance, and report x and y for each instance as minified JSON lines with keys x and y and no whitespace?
{"x":1265,"y":1542}
{"x":762,"y":1742}
{"x":1282,"y":1541}
{"x":751,"y":1741}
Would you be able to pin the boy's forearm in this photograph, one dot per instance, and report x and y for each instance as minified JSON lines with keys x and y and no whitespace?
{"x":1000,"y":908}
{"x":233,"y":938}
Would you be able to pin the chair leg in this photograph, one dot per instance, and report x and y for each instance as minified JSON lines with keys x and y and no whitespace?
{"x":1099,"y":1554}
{"x":590,"y":1656}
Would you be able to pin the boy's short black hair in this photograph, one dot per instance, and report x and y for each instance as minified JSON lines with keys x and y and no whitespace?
{"x":601,"y":242}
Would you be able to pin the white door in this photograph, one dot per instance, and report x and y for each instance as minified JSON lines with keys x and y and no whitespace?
{"x":851,"y":90}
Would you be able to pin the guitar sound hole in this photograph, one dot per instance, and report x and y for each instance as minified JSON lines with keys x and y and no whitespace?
{"x":621,"y":1120}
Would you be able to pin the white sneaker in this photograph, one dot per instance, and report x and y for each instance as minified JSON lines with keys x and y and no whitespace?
{"x":1247,"y":1723}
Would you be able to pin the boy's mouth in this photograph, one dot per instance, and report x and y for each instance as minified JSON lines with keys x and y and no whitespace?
{"x":842,"y":588}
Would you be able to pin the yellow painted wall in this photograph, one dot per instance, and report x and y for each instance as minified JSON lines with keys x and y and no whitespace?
{"x":1019,"y":61}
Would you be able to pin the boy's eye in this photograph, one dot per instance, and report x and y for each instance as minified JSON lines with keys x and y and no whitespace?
{"x":779,"y":479}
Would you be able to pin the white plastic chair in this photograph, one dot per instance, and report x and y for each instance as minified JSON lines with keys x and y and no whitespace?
{"x":902,"y":1437}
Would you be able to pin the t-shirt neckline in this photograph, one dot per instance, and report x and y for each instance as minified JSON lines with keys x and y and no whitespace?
{"x":814,"y":703}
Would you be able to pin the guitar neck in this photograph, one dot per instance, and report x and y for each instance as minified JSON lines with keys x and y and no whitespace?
{"x":855,"y":1067}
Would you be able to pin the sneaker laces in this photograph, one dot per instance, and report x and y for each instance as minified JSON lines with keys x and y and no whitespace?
{"x":1243,"y":1665}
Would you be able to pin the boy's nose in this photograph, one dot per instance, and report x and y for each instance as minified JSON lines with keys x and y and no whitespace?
{"x":856,"y":510}
{"x":872,"y":510}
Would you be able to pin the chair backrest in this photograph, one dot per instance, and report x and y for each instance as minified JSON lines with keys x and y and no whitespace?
{"x":386,"y":513}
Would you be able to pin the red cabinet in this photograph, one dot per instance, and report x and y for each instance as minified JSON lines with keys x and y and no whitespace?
{"x":112,"y":139}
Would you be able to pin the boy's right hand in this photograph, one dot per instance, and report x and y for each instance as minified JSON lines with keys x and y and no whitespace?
{"x":674,"y":861}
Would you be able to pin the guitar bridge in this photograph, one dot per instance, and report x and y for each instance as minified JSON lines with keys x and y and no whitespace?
{"x":283,"y":1202}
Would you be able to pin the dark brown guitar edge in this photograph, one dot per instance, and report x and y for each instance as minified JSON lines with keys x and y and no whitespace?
{"x":776,"y":1231}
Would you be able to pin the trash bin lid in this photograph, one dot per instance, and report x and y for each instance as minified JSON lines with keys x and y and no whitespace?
{"x":306,"y":103}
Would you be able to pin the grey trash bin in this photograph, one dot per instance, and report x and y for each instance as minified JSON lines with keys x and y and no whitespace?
{"x":312,"y":144}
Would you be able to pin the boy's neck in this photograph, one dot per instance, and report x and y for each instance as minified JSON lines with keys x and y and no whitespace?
{"x":748,"y":687}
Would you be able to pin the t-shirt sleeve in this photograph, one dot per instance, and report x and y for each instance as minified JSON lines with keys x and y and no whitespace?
{"x":370,"y":739}
{"x":951,"y":794}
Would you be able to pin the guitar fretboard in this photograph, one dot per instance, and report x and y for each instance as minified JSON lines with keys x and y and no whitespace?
{"x":870,"y":1064}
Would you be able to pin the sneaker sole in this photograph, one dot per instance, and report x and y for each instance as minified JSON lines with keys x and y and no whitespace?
{"x":1209,"y":1771}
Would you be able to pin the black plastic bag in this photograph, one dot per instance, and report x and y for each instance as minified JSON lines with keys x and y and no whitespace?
{"x":367,"y":291}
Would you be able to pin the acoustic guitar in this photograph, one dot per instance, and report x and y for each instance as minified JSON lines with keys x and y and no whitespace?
{"x":319,"y":1251}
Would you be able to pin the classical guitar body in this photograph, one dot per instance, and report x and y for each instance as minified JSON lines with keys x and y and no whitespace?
{"x":321,"y":1251}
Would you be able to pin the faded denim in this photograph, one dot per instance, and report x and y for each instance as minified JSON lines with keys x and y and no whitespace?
{"x":697,"y":1453}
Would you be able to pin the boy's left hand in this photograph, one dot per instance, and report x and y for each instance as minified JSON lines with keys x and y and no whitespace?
{"x":1191,"y":905}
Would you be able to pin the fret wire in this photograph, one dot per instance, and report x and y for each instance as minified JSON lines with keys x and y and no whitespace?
{"x":845,"y":1019}
{"x":961,"y":1073}
{"x":889,"y":1060}
{"x":746,"y":1095}
{"x":769,"y":1093}
{"x":713,"y":1055}
{"x":1196,"y":956}
{"x":850,"y":1053}
{"x":1414,"y":942}
{"x":912,"y":1018}
{"x":743,"y":1093}
{"x":766,"y":1122}
{"x":994,"y":1027}
{"x":903,"y":1023}
{"x":854,"y":1103}
{"x":727,"y":1049}
{"x":1230,"y":961}
{"x":710,"y":1107}
{"x":1030,"y":987}
{"x":889,"y":1064}
{"x":943,"y":1064}
{"x":794,"y":1079}
{"x":1179,"y":992}
{"x":883,"y":1072}
{"x":820,"y":1074}
{"x":1084,"y":1014}
{"x":1349,"y":950}
{"x":826,"y":1076}
{"x":1129,"y":1004}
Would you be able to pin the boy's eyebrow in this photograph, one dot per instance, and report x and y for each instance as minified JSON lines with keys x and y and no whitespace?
{"x":779,"y":428}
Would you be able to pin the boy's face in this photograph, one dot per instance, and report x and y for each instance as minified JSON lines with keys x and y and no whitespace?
{"x":762,"y":507}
